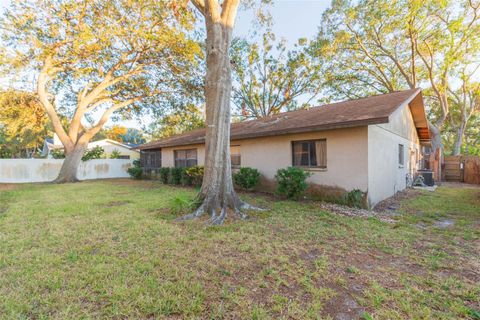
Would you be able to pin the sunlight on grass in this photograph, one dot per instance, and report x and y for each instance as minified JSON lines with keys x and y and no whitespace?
{"x":111,"y":249}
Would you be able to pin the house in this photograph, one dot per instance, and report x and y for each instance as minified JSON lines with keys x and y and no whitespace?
{"x":126,"y":151}
{"x":373,"y":144}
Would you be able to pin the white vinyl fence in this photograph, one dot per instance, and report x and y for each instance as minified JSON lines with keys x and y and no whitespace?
{"x":45,"y":170}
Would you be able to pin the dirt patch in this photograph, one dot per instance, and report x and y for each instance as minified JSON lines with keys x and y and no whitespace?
{"x":116,"y":203}
{"x":460,"y":185}
{"x":343,"y":306}
{"x":443,"y":224}
{"x":146,"y":184}
{"x":393,"y":203}
{"x":355,"y":212}
{"x":7,"y":186}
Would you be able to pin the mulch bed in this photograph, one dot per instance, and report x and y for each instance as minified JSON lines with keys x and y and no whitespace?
{"x":356,"y":212}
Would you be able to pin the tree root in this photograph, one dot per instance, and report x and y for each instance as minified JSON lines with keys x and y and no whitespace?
{"x":196,"y":214}
{"x":247,"y":206}
{"x":218,"y":219}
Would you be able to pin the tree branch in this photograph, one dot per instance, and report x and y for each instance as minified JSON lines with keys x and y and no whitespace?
{"x":106,"y":115}
{"x":229,"y":12}
{"x":200,"y":5}
{"x":52,"y":114}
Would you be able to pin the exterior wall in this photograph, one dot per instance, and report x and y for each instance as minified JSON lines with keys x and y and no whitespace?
{"x":109,"y":147}
{"x":386,"y":176}
{"x":45,"y":170}
{"x":364,"y":158}
{"x":168,"y":158}
{"x":272,"y":153}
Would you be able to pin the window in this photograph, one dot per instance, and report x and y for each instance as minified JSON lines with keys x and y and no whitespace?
{"x":185,"y":158}
{"x":312,"y":153}
{"x":235,"y":156}
{"x":401,"y":155}
{"x":123,"y":157}
{"x":151,"y":159}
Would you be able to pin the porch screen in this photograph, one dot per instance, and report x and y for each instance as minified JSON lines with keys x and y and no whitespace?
{"x":150,"y":159}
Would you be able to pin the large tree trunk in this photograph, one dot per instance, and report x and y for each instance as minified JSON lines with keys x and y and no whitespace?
{"x":436,"y":139}
{"x":457,"y":146}
{"x":435,"y":136}
{"x":217,"y":194}
{"x":73,"y":157}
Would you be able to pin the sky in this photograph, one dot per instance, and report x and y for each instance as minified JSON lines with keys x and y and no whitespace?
{"x":293,"y":19}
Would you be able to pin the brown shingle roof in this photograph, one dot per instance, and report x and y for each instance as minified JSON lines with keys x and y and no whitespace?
{"x":360,"y":112}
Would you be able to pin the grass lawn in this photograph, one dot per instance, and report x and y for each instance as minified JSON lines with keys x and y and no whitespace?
{"x":110,"y":249}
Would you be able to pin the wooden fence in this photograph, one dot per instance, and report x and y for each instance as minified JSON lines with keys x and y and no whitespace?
{"x":462,"y":168}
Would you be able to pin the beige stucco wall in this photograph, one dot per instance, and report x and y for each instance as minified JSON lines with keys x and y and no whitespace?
{"x":386,"y":176}
{"x":168,"y":154}
{"x":272,"y":153}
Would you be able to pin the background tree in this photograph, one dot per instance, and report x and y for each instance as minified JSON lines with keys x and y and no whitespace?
{"x":96,"y":59}
{"x":24,"y":124}
{"x":270,"y":79}
{"x":134,"y":136}
{"x":472,"y":136}
{"x":182,"y":120}
{"x":116,"y":133}
{"x":383,"y":46}
{"x":121,"y":134}
{"x":465,"y":103}
{"x":461,"y":132}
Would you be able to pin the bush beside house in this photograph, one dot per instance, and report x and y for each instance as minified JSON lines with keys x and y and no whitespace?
{"x":292,"y":182}
{"x":246,"y":178}
{"x":136,"y":172}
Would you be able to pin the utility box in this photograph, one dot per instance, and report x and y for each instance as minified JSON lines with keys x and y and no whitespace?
{"x":427,"y":177}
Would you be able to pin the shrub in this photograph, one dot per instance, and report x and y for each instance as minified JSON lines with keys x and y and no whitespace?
{"x":115,"y":154}
{"x":181,"y":204}
{"x":164,"y":174}
{"x":176,"y":175}
{"x":354,"y":198}
{"x":94,"y":153}
{"x":136,"y":171}
{"x":196,"y":175}
{"x":58,"y":154}
{"x":246,"y":178}
{"x":292,"y":182}
{"x":185,"y":178}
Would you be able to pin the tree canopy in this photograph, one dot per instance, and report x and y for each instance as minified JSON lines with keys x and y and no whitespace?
{"x":270,"y":79}
{"x":181,"y":120}
{"x":373,"y":47}
{"x":23,"y":124}
{"x":97,"y":59}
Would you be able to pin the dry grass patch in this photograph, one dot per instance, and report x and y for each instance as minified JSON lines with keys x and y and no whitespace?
{"x":111,"y":249}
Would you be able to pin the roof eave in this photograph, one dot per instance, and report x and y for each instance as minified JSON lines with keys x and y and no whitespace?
{"x":234,"y":137}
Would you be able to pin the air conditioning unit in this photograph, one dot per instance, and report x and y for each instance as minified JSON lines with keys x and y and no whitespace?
{"x":427,"y":177}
